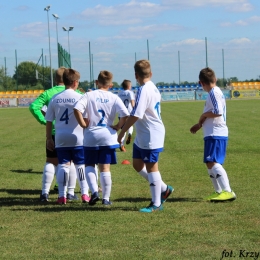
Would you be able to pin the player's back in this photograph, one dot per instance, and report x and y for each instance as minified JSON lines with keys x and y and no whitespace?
{"x":150,"y":130}
{"x":102,"y":108}
{"x":68,"y":132}
{"x":126,"y":96}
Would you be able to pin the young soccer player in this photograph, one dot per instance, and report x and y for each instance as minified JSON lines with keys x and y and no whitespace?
{"x":51,"y":156}
{"x":68,"y":135}
{"x":100,"y":139}
{"x":150,"y":134}
{"x":213,"y":122}
{"x":128,"y":97}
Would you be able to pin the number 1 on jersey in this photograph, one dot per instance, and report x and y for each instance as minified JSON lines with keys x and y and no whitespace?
{"x":158,"y":109}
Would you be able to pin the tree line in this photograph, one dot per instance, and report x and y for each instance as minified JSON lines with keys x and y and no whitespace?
{"x":31,"y":76}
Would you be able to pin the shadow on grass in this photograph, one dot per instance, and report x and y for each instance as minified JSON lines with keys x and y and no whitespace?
{"x":26,"y":171}
{"x":168,"y":200}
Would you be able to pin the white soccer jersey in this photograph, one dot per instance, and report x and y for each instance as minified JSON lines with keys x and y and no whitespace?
{"x":101,"y":107}
{"x":68,"y":132}
{"x":127,"y":96}
{"x":150,"y":130}
{"x":216,"y":104}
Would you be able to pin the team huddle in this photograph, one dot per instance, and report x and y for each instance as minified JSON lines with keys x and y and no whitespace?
{"x":82,"y":138}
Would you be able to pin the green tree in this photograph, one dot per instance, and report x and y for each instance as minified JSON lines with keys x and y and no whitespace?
{"x":6,"y":82}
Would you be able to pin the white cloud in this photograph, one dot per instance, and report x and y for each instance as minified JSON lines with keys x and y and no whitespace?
{"x":35,"y":29}
{"x":245,"y":22}
{"x":230,"y":5}
{"x":22,"y":8}
{"x":132,"y":12}
{"x":239,"y":41}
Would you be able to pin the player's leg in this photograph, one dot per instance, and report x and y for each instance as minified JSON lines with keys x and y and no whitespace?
{"x":72,"y":183}
{"x":64,"y":158}
{"x":91,"y":159}
{"x":130,"y":133}
{"x":140,"y":167}
{"x":122,"y":146}
{"x":48,"y":173}
{"x":106,"y":157}
{"x":214,"y":156}
{"x":78,"y":159}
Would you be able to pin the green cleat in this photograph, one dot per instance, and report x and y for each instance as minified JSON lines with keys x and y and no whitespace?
{"x":225,"y":196}
{"x":212,"y":196}
{"x":151,"y":208}
{"x":166,"y":194}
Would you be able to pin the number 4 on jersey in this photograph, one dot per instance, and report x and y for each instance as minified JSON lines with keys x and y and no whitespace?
{"x":65,"y":116}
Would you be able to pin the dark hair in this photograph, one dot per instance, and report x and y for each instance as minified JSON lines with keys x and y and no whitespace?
{"x":125,"y":84}
{"x":59,"y":75}
{"x":143,"y":68}
{"x":69,"y":76}
{"x":207,"y":76}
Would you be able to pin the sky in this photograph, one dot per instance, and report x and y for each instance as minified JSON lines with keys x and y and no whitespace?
{"x":179,"y":37}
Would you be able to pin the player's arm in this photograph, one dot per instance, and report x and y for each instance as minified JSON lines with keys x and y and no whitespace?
{"x":50,"y":143}
{"x":83,"y":122}
{"x":36,"y":106}
{"x":129,"y":122}
{"x":133,"y":103}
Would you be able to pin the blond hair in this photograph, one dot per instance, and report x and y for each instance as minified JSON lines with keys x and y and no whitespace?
{"x":143,"y":69}
{"x":105,"y":77}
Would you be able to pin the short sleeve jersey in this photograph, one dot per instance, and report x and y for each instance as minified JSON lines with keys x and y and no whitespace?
{"x":101,"y":107}
{"x":68,"y":132}
{"x":127,"y":96}
{"x":215,"y":127}
{"x":150,"y":129}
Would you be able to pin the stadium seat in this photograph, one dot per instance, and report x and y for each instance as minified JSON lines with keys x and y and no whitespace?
{"x":178,"y":88}
{"x":41,"y":90}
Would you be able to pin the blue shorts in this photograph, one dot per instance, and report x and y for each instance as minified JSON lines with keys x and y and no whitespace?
{"x":67,"y":154}
{"x":103,"y":156}
{"x":148,"y":156}
{"x":215,"y":150}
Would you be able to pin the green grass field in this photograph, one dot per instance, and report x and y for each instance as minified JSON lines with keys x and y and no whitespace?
{"x":187,"y":228}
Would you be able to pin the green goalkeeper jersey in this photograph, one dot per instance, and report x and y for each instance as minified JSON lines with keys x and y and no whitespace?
{"x":42,"y":100}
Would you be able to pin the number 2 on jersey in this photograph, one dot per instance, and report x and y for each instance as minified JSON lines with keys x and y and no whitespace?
{"x":102,"y":113}
{"x":65,"y":116}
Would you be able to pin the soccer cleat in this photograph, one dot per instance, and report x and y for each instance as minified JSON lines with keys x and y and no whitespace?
{"x":56,"y":187}
{"x":72,"y":197}
{"x":85,"y":198}
{"x":128,"y":141}
{"x":62,"y":200}
{"x":212,"y":196}
{"x":106,"y":202}
{"x":151,"y":208}
{"x":122,"y":148}
{"x":44,"y":197}
{"x":225,"y":196}
{"x":166,"y":194}
{"x":94,"y":199}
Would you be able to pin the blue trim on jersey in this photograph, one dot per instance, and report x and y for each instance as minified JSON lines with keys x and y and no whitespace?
{"x":102,"y":147}
{"x":214,"y":102}
{"x":70,"y":147}
{"x":137,"y":98}
{"x":215,"y":137}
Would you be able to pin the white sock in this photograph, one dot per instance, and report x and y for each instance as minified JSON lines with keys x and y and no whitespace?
{"x":214,"y":181}
{"x":130,"y":130}
{"x":80,"y":168}
{"x":221,"y":176}
{"x":91,"y":179}
{"x":72,"y":179}
{"x":106,"y":184}
{"x":96,"y":171}
{"x":155,"y":187}
{"x":62,"y":179}
{"x":144,"y":174}
{"x":47,"y":177}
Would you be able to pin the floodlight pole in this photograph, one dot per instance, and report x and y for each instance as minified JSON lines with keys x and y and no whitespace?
{"x":68,"y":30}
{"x":47,"y":8}
{"x":56,"y":17}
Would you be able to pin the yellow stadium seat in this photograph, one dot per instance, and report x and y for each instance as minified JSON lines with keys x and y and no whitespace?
{"x":7,"y":92}
{"x":41,"y":90}
{"x":13,"y":92}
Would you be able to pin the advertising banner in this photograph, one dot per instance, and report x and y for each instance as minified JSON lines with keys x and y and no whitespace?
{"x":202,"y":95}
{"x":254,"y":93}
{"x":25,"y":102}
{"x":8,"y":102}
{"x":180,"y":95}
